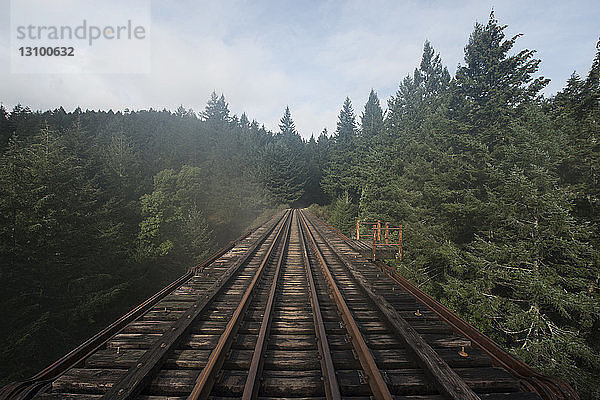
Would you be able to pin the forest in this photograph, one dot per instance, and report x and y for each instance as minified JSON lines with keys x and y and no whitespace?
{"x":497,"y":187}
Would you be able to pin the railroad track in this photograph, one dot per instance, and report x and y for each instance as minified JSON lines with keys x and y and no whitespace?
{"x":290,"y":310}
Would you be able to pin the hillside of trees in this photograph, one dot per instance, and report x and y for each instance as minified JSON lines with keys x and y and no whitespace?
{"x":498,"y":191}
{"x":98,"y":210}
{"x":496,"y":185}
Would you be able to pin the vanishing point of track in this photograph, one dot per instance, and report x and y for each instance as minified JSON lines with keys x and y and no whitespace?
{"x":291,"y":310}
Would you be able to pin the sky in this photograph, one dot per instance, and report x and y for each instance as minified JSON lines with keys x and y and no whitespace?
{"x":308,"y":55}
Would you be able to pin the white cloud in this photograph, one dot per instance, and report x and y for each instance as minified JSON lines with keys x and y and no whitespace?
{"x":266,"y":55}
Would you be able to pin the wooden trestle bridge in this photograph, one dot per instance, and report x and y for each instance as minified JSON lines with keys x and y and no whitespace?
{"x":289,"y":310}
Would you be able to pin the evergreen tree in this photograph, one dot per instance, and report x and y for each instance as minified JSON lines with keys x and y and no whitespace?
{"x":313,"y":193}
{"x":346,"y":125}
{"x":591,"y":87}
{"x":286,"y":126}
{"x":5,"y":127}
{"x":244,"y":122}
{"x":284,"y":164}
{"x":492,"y":85}
{"x":216,"y":112}
{"x":342,"y":170}
{"x":173,"y":219}
{"x":343,"y":214}
{"x":530,"y":267}
{"x":435,"y":77}
{"x":284,"y":171}
{"x":570,"y":99}
{"x":372,"y":117}
{"x":24,"y":122}
{"x":420,"y":93}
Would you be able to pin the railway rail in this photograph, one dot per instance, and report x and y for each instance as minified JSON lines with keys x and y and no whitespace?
{"x":290,"y":310}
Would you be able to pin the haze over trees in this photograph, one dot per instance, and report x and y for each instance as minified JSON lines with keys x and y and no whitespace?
{"x":497,"y":188}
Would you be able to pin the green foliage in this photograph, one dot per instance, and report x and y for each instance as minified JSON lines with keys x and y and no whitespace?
{"x":343,"y":214}
{"x":346,"y":126}
{"x":284,"y":165}
{"x":492,"y":85}
{"x":342,"y":167}
{"x":51,"y":242}
{"x":371,"y":120}
{"x":418,"y":94}
{"x":216,"y":112}
{"x":172,"y":219}
{"x":92,"y":203}
{"x":497,"y":190}
{"x":287,"y":127}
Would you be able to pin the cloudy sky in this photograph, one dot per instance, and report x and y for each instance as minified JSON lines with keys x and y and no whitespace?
{"x":310,"y":55}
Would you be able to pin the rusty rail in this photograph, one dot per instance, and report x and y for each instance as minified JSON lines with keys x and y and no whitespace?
{"x":445,"y":378}
{"x":26,"y":389}
{"x":332,"y":388}
{"x":547,"y":388}
{"x":206,"y":379}
{"x":141,"y":373}
{"x":376,"y":382}
{"x":252,"y":381}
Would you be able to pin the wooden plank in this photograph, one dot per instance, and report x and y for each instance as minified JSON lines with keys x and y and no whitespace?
{"x":292,"y":383}
{"x":330,"y":383}
{"x":182,"y":359}
{"x":376,"y":380}
{"x":87,"y":380}
{"x":295,"y":384}
{"x":446,"y":380}
{"x":196,"y":359}
{"x":79,"y":396}
{"x":140,"y":375}
{"x":286,"y":383}
{"x":206,"y":379}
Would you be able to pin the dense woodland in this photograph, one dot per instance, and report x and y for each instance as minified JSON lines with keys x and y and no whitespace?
{"x":497,"y":187}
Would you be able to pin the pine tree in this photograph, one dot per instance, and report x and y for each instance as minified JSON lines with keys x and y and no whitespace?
{"x":372,"y":117}
{"x":570,"y":99}
{"x":591,"y":87}
{"x":313,"y":193}
{"x":420,"y":93}
{"x":342,"y":170}
{"x":216,"y":112}
{"x":346,"y":126}
{"x":492,"y":85}
{"x":173,"y":222}
{"x":284,"y":164}
{"x":5,"y":127}
{"x":435,"y":77}
{"x":286,"y":126}
{"x":244,"y":122}
{"x":343,"y":214}
{"x":284,"y":171}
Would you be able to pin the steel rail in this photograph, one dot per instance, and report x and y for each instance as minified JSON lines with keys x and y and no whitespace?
{"x":256,"y":365}
{"x":446,"y":380}
{"x":375,"y":379}
{"x":332,"y":388}
{"x":548,"y":388}
{"x":26,"y":389}
{"x":206,"y":379}
{"x":139,"y":375}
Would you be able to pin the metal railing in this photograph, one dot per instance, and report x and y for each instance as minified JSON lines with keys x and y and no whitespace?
{"x":388,"y":233}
